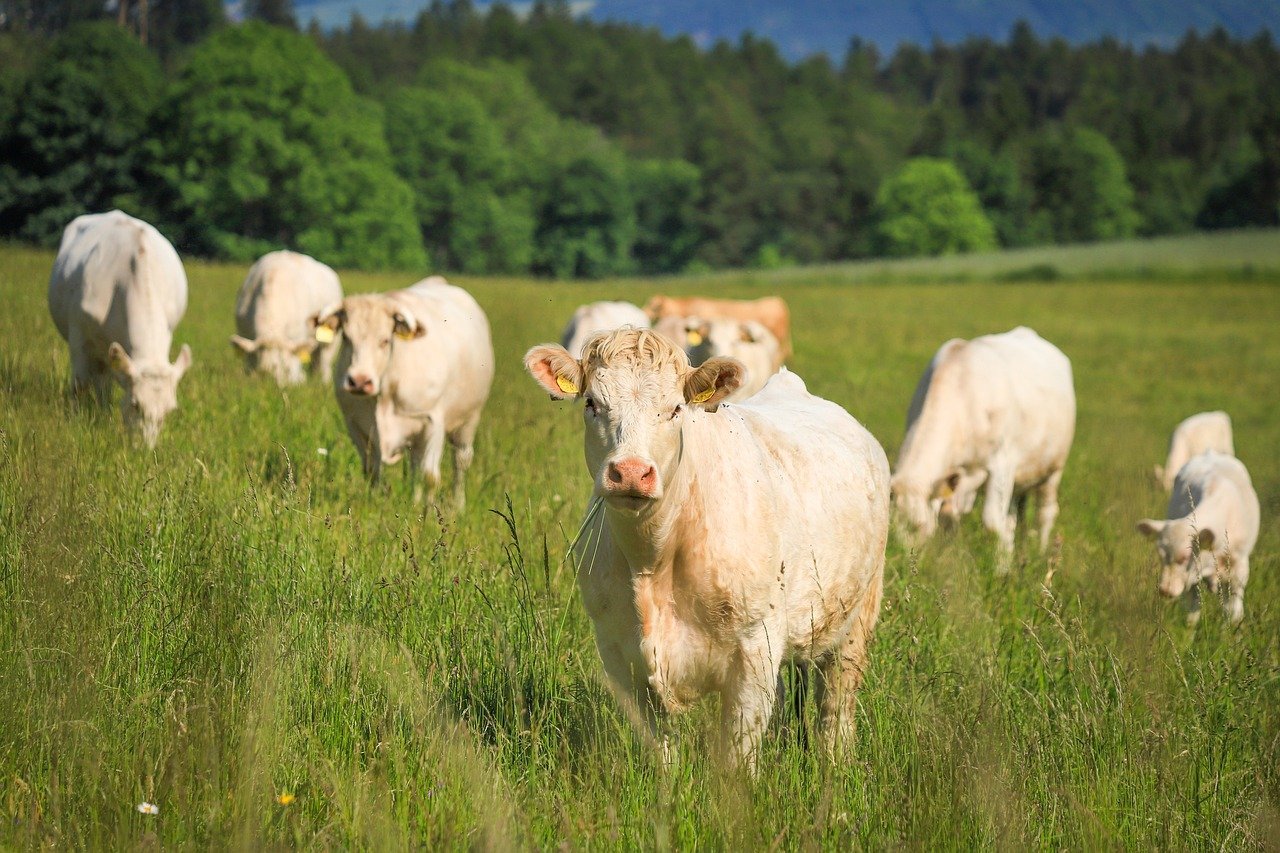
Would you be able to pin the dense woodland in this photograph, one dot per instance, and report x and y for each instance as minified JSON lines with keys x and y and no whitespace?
{"x":485,"y":142}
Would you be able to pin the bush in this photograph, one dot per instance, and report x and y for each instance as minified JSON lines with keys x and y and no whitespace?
{"x":928,"y":208}
{"x":1080,"y":184}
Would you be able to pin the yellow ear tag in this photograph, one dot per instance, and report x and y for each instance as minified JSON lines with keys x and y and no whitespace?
{"x":324,"y":334}
{"x":404,"y":334}
{"x":304,"y":356}
{"x":566,"y":385}
{"x":704,"y":396}
{"x":694,"y":337}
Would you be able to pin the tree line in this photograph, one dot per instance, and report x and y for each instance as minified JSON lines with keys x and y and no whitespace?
{"x":488,"y":142}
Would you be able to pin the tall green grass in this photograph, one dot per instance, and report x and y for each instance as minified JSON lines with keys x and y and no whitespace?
{"x":237,"y":616}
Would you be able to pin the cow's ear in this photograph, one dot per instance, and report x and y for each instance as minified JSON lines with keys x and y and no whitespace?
{"x":245,"y":345}
{"x":1206,"y":538}
{"x":407,"y":326}
{"x":182,"y":363}
{"x":716,"y":379}
{"x":326,"y":324}
{"x":946,"y":487}
{"x":119,"y":362}
{"x":559,"y":373}
{"x":654,"y":307}
{"x":1150,"y":527}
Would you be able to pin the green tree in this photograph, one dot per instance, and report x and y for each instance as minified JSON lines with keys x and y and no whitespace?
{"x":666,"y":198}
{"x":1081,"y":185}
{"x":928,"y":208}
{"x":262,"y":144}
{"x":73,"y":142}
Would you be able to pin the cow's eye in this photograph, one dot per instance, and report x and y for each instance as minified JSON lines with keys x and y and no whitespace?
{"x":590,"y":405}
{"x":675,"y":413}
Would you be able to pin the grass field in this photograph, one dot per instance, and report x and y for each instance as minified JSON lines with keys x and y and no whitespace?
{"x":237,"y":616}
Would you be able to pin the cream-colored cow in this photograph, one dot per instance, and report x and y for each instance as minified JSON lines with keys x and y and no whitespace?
{"x":998,"y":410}
{"x":1195,"y":435}
{"x":722,"y":543}
{"x":275,"y":315}
{"x":414,"y":369}
{"x":599,"y":317}
{"x":770,"y":311}
{"x":746,"y":340}
{"x":116,"y":294}
{"x":1210,"y":531}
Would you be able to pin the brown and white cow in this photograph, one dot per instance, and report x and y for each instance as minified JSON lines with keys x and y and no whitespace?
{"x":722,"y":543}
{"x":414,"y":369}
{"x":746,"y":340}
{"x":770,"y":311}
{"x":280,"y":296}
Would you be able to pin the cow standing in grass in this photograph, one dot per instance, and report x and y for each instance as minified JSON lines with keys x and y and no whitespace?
{"x":723,"y":543}
{"x":1210,"y":531}
{"x":1195,"y":435}
{"x":414,"y":369}
{"x":116,"y":294}
{"x":998,"y":410}
{"x":275,"y":312}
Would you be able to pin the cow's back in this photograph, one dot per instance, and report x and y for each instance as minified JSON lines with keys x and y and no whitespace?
{"x":1216,"y":489}
{"x":281,"y":292}
{"x":454,"y":360}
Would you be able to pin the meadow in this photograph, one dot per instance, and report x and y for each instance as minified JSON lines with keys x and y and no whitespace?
{"x":236,"y":628}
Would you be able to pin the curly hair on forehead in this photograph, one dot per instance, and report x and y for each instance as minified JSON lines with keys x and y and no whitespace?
{"x":631,"y":347}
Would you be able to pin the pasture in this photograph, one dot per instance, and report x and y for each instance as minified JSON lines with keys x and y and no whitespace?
{"x":237,"y":629}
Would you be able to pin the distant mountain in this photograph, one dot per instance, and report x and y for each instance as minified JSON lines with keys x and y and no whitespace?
{"x":802,"y":27}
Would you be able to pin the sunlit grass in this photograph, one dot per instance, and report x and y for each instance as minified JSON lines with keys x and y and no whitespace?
{"x":237,"y":618}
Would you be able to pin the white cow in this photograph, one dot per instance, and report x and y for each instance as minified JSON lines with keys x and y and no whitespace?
{"x":724,"y":543}
{"x":999,"y":410}
{"x":749,"y":341}
{"x":1195,"y":435}
{"x":116,"y":294}
{"x":275,"y":313}
{"x":599,"y":317}
{"x":1210,"y":531}
{"x":415,"y":367}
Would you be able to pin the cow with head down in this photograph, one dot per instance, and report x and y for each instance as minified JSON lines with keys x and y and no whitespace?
{"x":722,"y":542}
{"x":116,"y":293}
{"x":414,"y":370}
{"x":281,"y":294}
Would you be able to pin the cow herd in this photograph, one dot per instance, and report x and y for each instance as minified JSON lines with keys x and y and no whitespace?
{"x":737,"y":521}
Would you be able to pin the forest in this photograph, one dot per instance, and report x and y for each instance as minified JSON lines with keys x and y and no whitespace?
{"x":486,"y":142}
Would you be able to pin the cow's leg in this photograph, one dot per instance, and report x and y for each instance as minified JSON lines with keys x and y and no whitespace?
{"x":996,"y":512}
{"x":840,"y":675}
{"x":368,"y":447}
{"x":86,"y":377}
{"x":748,"y":699}
{"x":1239,"y":575}
{"x":1191,"y":601}
{"x":428,"y":450}
{"x":323,"y":365}
{"x":463,"y":440}
{"x":634,"y":693}
{"x":1047,"y":506}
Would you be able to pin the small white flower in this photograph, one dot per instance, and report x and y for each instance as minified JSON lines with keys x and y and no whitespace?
{"x":148,"y":808}
{"x":322,"y":451}
{"x":556,"y":498}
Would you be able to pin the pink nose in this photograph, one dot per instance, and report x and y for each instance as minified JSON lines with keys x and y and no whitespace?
{"x":354,"y":384}
{"x":631,"y":476}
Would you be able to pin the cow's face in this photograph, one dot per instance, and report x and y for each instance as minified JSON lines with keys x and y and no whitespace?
{"x":918,"y":505}
{"x":150,"y":390}
{"x":1182,"y":548}
{"x":637,"y":390}
{"x":284,"y":361}
{"x":371,"y":326}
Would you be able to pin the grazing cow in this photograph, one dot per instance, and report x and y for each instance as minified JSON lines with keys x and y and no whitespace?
{"x":770,"y":311}
{"x":722,"y":544}
{"x":1210,"y":531}
{"x":275,"y":310}
{"x":1195,"y":435}
{"x":746,"y":340}
{"x":414,"y":368}
{"x":116,"y":294}
{"x":600,"y":317}
{"x":999,"y":410}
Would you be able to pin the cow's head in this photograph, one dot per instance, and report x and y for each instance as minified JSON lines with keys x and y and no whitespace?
{"x":918,"y":504}
{"x":1182,"y":547}
{"x":285,"y":361}
{"x":637,"y":390}
{"x":150,"y":389}
{"x":371,"y":325}
{"x":706,"y":339}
